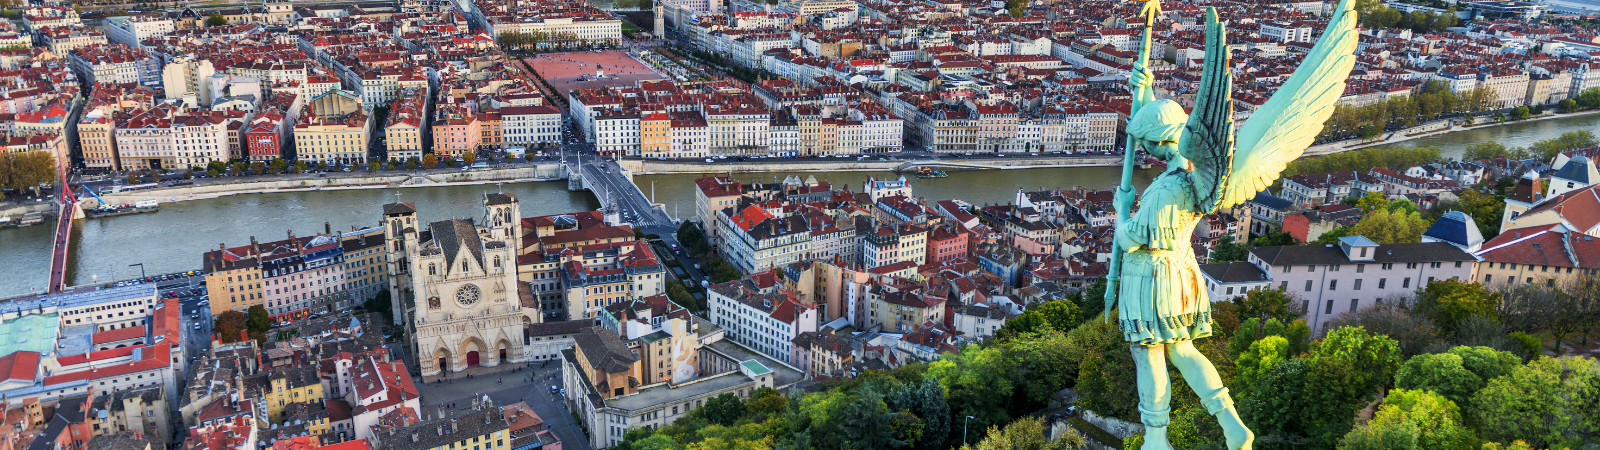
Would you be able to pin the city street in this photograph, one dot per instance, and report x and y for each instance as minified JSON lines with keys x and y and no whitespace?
{"x":516,"y":387}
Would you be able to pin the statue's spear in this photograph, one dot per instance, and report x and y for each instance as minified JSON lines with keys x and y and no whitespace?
{"x":1141,"y":96}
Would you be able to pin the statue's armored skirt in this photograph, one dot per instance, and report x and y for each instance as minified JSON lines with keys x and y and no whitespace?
{"x":1162,"y":298}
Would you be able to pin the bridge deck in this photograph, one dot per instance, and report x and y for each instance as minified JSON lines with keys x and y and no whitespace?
{"x":58,"y":252}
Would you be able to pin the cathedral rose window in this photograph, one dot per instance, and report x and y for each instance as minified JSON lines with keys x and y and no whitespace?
{"x":468,"y":294}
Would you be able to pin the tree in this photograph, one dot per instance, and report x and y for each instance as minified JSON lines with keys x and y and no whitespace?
{"x":723,"y":409}
{"x":260,"y":321}
{"x":1344,"y":371}
{"x":1267,"y":304}
{"x":1520,"y":113}
{"x":228,"y":325}
{"x":1273,"y":239}
{"x":1441,"y":373}
{"x":1589,"y":98}
{"x":1027,"y":433}
{"x":1550,"y":402}
{"x":279,"y":165}
{"x":1414,"y":333}
{"x":1253,"y":329}
{"x":1106,"y":374}
{"x":722,"y":272}
{"x":1449,"y":302}
{"x":1228,"y":251}
{"x":1546,"y":150}
{"x":298,"y":167}
{"x":373,"y":166}
{"x":867,"y":423}
{"x":1373,"y":201}
{"x":469,"y":157}
{"x":1331,"y":237}
{"x":429,"y":160}
{"x":1414,"y":419}
{"x":216,"y":20}
{"x":1568,"y":106}
{"x":925,"y":399}
{"x":1261,"y":357}
{"x":1384,"y":227}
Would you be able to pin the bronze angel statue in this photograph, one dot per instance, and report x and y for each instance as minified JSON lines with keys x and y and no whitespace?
{"x":1163,"y":304}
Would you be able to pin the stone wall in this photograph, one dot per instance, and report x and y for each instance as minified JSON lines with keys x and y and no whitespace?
{"x":379,"y":180}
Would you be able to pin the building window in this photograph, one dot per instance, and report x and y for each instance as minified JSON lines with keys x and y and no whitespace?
{"x":1382,"y":281}
{"x":1329,"y":309}
{"x":1308,"y":285}
{"x":1333,"y":285}
{"x":1406,"y":283}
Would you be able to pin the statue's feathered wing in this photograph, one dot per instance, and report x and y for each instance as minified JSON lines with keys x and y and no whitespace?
{"x":1276,"y":133}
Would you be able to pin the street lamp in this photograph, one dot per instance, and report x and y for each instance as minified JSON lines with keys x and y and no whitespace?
{"x":141,"y":269}
{"x":964,"y":429}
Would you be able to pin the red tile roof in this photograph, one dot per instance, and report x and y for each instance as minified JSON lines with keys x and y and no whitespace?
{"x":22,"y":365}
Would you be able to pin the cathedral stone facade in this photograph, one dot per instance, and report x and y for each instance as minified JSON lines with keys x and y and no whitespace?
{"x":454,"y":287}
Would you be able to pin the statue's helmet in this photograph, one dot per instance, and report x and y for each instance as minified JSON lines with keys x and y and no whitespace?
{"x":1161,"y":123}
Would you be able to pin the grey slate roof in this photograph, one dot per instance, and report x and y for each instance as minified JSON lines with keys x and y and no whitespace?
{"x":605,"y":351}
{"x":444,"y":431}
{"x":1234,"y":272}
{"x":399,"y":208}
{"x":1578,"y":169}
{"x":499,"y":198}
{"x":1305,"y":255}
{"x":1455,"y":227}
{"x":454,"y":235}
{"x":1271,"y":201}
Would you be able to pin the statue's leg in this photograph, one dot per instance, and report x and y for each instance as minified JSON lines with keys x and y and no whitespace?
{"x":1202,"y":377}
{"x":1155,"y":394}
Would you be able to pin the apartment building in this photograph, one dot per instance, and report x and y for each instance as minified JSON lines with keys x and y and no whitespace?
{"x":754,"y":240}
{"x":531,"y":125}
{"x":766,"y":320}
{"x":1336,"y":279}
{"x":335,"y":128}
{"x":403,"y":128}
{"x":1552,"y":256}
{"x":131,"y":30}
{"x":598,"y":275}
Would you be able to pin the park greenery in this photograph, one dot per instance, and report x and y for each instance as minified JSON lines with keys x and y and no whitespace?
{"x":1452,"y":366}
{"x":26,"y":171}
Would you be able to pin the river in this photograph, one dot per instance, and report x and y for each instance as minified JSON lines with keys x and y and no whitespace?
{"x":174,"y":238}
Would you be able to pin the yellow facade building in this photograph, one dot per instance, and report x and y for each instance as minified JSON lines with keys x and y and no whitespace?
{"x":335,"y":129}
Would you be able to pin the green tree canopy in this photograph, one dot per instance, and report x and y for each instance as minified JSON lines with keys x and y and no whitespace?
{"x":260,"y":321}
{"x":1412,"y":419}
{"x":1550,"y":402}
{"x":1027,"y":433}
{"x":723,"y":409}
{"x":1449,"y":302}
{"x":1441,"y":373}
{"x":216,"y":20}
{"x":1384,"y":227}
{"x":1267,"y":304}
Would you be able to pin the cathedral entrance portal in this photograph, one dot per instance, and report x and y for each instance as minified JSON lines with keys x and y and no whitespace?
{"x":472,"y":358}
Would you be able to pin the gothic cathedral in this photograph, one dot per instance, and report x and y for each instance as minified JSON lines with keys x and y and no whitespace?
{"x":454,"y":288}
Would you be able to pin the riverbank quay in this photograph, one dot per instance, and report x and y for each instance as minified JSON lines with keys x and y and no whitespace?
{"x":348,"y":181}
{"x":639,"y":166}
{"x":1436,"y":128}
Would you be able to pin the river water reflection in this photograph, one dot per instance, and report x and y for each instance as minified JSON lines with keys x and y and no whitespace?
{"x":173,"y":239}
